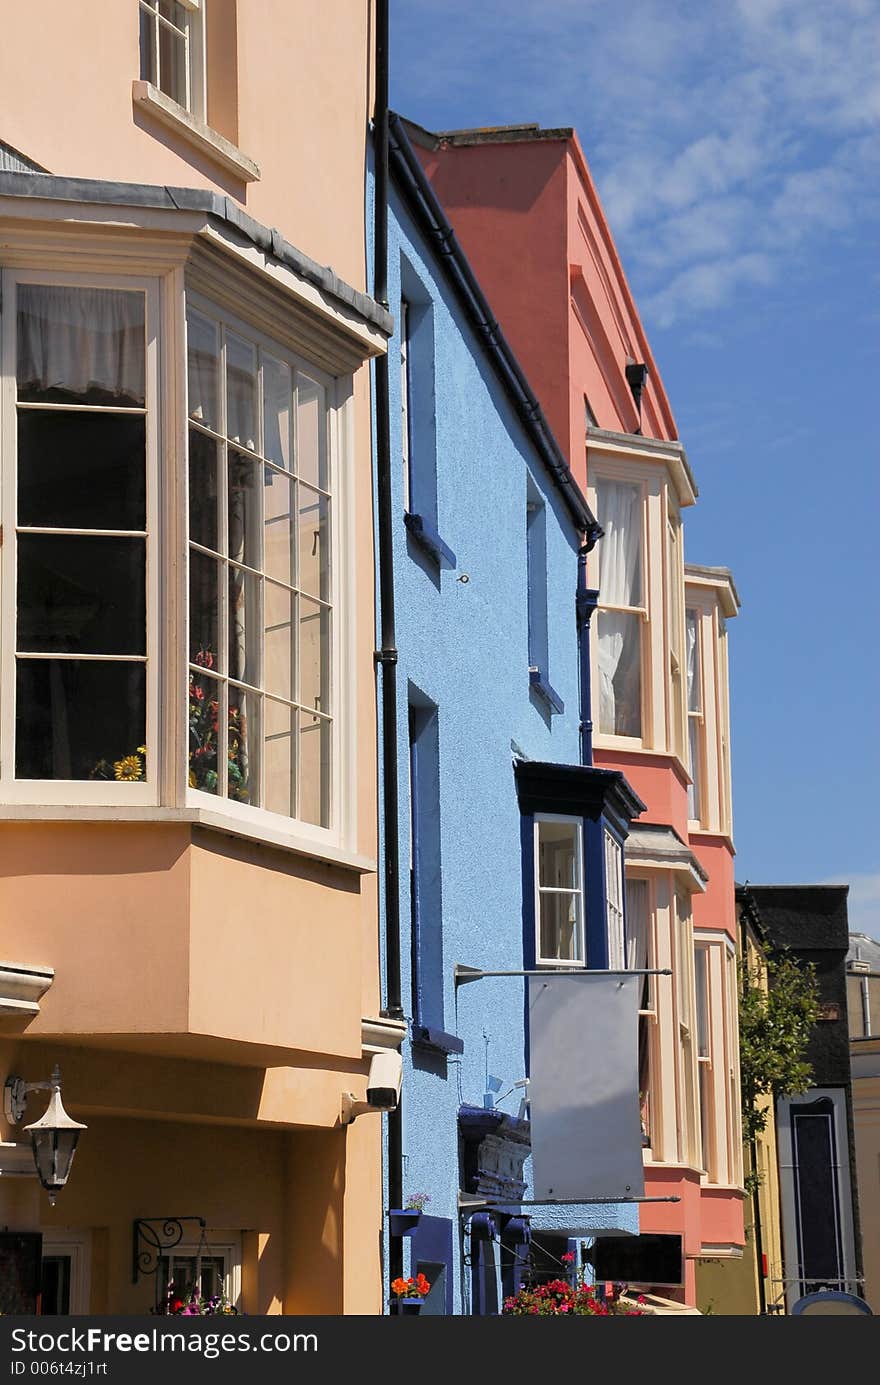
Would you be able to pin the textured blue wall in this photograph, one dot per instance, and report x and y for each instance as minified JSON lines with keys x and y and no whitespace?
{"x":464,"y":646}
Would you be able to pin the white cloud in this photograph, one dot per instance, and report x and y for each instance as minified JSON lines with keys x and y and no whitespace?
{"x":721,"y":136}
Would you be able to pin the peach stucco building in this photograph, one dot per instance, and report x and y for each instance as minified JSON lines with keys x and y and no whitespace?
{"x":187,"y":751}
{"x":527,"y":215}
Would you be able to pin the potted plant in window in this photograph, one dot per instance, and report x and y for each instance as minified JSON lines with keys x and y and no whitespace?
{"x":409,"y":1294}
{"x":404,"y":1220}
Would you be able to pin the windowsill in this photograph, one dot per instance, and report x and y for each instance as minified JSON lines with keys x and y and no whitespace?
{"x":149,"y":98}
{"x":203,"y":817}
{"x":545,"y":691}
{"x":437,"y":1040}
{"x":428,"y":539}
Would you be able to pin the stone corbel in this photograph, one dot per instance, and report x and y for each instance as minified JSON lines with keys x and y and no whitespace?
{"x":22,"y":987}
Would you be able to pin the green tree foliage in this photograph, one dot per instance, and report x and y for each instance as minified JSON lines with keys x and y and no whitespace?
{"x":774,"y":1029}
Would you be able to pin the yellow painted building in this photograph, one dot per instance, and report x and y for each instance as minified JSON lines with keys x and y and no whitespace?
{"x":751,"y":1284}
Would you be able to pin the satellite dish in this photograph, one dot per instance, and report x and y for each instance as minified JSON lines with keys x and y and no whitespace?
{"x":831,"y":1301}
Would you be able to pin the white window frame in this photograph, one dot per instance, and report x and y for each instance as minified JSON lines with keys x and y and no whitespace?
{"x":578,"y":892}
{"x":216,"y":1245}
{"x":651,"y":1100}
{"x":165,"y":793}
{"x":614,"y":901}
{"x":662,"y":601}
{"x":63,"y":791}
{"x":339,"y":525}
{"x":195,"y":48}
{"x":75,"y":1246}
{"x":722,"y":1161}
{"x":711,"y":774}
{"x":688,"y":1132}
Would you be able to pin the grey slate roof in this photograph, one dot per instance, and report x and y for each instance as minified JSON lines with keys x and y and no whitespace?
{"x":218,"y":208}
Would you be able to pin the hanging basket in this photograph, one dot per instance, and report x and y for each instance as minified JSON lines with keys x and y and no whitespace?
{"x":403,"y":1220}
{"x":403,"y":1306}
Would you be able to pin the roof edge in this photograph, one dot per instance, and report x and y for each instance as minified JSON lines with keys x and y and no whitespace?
{"x":216,"y":206}
{"x":434,"y":223}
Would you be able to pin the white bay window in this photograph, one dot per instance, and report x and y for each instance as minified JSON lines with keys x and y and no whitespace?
{"x":619,"y":621}
{"x":79,"y":697}
{"x":637,"y":489}
{"x":91,"y":662}
{"x":260,"y":626}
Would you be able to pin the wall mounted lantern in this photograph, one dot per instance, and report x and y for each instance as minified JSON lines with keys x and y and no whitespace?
{"x":54,"y":1136}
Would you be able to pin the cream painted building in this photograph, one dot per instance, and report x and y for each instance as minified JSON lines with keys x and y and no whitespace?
{"x":863,"y":1008}
{"x":187,"y":734}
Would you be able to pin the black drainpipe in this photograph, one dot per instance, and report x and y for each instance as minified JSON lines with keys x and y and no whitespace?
{"x":386,"y":655}
{"x":585,"y":604}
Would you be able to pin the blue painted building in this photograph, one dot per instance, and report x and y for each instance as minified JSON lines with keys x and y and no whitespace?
{"x":487,"y":535}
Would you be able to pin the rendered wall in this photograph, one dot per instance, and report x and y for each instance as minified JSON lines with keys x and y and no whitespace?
{"x":72,"y":111}
{"x":464,"y":646}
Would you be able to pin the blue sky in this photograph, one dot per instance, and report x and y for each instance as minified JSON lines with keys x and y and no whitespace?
{"x":735,"y":146}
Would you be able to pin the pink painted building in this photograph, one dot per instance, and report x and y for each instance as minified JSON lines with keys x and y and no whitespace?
{"x":527,"y":214}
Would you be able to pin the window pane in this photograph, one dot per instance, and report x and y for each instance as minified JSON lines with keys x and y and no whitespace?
{"x":701,"y":978}
{"x":203,"y":460}
{"x":620,"y":673}
{"x":314,"y":646}
{"x":279,"y":758}
{"x":81,"y":595}
{"x":243,"y":751}
{"x":80,"y":719}
{"x":277,"y":394}
{"x":279,"y":616}
{"x":244,"y":627}
{"x":206,"y":700}
{"x":560,"y":926}
{"x":557,"y":854}
{"x":314,"y":576}
{"x":241,"y":391}
{"x":314,"y":770}
{"x":204,"y":589}
{"x":694,"y":796}
{"x":80,"y":345}
{"x":695,"y":703}
{"x":172,"y":64}
{"x":278,"y":531}
{"x":148,"y":47}
{"x":619,"y":511}
{"x":245,"y":484}
{"x":311,"y":433}
{"x":203,"y":369}
{"x":81,"y":470}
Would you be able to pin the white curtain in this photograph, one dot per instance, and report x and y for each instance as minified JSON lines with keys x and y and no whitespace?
{"x":77,"y":339}
{"x":692,"y":679}
{"x":620,"y":581}
{"x":241,"y":391}
{"x":203,"y":365}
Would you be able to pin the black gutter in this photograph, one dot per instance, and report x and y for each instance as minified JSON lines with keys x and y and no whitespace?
{"x":422,"y":202}
{"x":386,"y":655}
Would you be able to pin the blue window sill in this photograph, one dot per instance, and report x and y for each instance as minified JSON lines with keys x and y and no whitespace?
{"x":428,"y":539}
{"x":425,"y":1036}
{"x":543,"y":689}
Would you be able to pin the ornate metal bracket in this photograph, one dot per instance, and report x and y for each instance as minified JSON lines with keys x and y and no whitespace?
{"x":153,"y":1235}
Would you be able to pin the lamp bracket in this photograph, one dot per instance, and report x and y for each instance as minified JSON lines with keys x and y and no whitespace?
{"x":16,"y":1091}
{"x":153,"y":1235}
